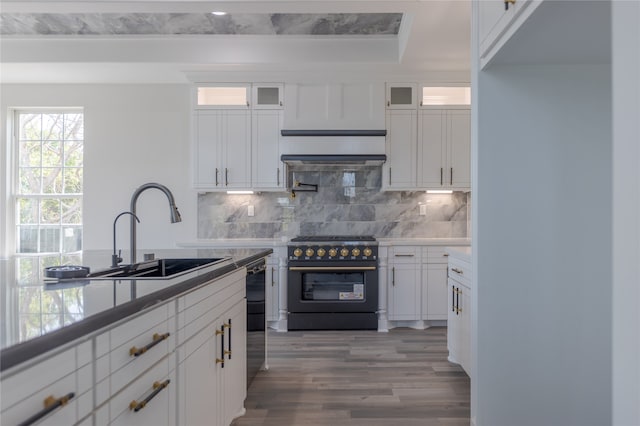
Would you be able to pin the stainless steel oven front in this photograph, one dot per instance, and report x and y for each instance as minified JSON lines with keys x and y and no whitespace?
{"x":333,"y":285}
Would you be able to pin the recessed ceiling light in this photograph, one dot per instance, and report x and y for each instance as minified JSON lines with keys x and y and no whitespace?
{"x":219,"y":13}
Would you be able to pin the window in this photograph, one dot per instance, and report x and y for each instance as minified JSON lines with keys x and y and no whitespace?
{"x":446,"y":96}
{"x":223,"y":96}
{"x":48,"y":188}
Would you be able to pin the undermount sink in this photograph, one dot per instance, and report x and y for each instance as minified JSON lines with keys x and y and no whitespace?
{"x":157,"y":268}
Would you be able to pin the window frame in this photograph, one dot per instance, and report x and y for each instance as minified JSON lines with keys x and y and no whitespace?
{"x":13,"y":243}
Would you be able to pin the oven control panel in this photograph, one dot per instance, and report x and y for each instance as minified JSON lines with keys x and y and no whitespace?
{"x":334,"y":252}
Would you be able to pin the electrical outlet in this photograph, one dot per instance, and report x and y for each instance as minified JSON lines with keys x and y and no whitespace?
{"x":251,"y":211}
{"x":423,"y":209}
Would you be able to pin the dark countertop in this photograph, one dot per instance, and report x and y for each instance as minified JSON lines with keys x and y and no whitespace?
{"x":39,"y":315}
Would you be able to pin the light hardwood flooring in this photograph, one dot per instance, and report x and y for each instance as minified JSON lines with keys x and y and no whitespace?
{"x":363,"y":378}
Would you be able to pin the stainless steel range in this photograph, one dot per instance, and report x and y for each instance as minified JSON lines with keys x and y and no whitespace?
{"x":333,"y":283}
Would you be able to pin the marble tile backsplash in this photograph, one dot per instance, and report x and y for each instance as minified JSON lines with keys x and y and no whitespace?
{"x":348,"y":202}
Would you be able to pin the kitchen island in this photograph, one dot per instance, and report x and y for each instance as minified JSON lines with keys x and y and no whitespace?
{"x":89,"y":343}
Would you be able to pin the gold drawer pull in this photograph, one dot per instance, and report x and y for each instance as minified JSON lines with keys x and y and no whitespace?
{"x":157,"y":338}
{"x":157,"y":388}
{"x":50,"y":404}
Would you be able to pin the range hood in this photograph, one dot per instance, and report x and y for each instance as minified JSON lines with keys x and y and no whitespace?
{"x":333,"y":147}
{"x":334,"y":159}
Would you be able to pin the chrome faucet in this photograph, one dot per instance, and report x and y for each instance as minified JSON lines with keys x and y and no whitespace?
{"x":116,"y":258}
{"x":175,"y":214}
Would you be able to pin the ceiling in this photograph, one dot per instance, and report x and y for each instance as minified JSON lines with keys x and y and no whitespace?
{"x":175,"y":40}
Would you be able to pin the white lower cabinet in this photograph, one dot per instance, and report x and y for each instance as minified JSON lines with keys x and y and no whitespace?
{"x":54,"y":391}
{"x":417,"y":283}
{"x":212,"y":354}
{"x":234,"y":373}
{"x":404,"y":292}
{"x":434,"y":291}
{"x":459,"y":314}
{"x":272,"y":285}
{"x":180,"y":363}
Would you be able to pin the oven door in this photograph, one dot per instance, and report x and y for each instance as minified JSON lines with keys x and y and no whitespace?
{"x":333,"y":288}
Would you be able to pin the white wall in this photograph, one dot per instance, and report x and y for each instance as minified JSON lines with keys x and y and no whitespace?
{"x":543,"y":243}
{"x":133,"y":134}
{"x":626,"y":220}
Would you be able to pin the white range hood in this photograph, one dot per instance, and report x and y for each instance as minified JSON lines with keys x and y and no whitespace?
{"x":333,"y":147}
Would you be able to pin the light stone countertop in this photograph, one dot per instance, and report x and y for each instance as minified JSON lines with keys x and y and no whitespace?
{"x":424,"y":241}
{"x":278,"y":242}
{"x":461,"y":253}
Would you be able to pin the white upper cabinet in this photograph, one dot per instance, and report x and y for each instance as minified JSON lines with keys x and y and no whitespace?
{"x":267,"y":96}
{"x":222,"y":149}
{"x":399,"y":171}
{"x":334,"y":106}
{"x":267,"y":169}
{"x":444,"y":149}
{"x":402,"y":96}
{"x":498,"y":20}
{"x":223,"y":96}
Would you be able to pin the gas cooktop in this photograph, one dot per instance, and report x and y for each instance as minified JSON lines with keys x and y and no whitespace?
{"x":331,"y":238}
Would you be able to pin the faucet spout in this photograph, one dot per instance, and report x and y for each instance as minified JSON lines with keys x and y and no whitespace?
{"x":115,"y":258}
{"x":173,"y":210}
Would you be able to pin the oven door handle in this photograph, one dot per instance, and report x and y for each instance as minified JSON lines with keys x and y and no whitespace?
{"x":332,"y":268}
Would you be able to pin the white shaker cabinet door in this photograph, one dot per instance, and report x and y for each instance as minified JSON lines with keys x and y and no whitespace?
{"x":399,"y":171}
{"x":404,"y":292}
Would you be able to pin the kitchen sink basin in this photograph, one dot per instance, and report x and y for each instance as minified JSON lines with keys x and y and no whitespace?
{"x":157,"y":268}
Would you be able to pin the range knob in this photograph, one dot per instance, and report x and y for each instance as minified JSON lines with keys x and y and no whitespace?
{"x":297,"y":252}
{"x":344,"y":252}
{"x":367,"y":251}
{"x":309,"y":252}
{"x":333,"y":252}
{"x":355,"y":252}
{"x":321,"y":252}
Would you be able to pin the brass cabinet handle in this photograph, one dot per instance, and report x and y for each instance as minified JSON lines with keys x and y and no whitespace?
{"x":157,"y":388}
{"x":506,"y":3}
{"x":217,"y":176}
{"x":221,"y":334}
{"x":458,"y":271}
{"x":157,"y":338}
{"x":50,"y":404}
{"x":229,"y":327}
{"x":453,"y":299}
{"x":226,"y":176}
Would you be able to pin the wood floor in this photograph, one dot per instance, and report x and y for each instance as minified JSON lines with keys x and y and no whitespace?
{"x":400,"y":378}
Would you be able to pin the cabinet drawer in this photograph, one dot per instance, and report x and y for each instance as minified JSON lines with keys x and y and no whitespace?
{"x":434,"y":254}
{"x":158,"y":407}
{"x":404,"y":254}
{"x":65,"y":374}
{"x":460,"y":271}
{"x":134,"y":347}
{"x":220,"y":302}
